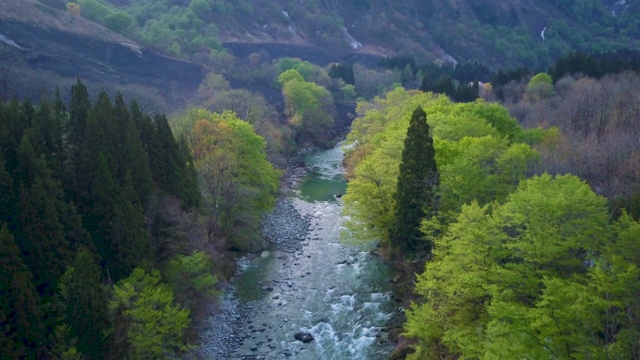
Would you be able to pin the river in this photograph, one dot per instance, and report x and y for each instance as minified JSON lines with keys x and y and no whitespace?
{"x":310,"y":281}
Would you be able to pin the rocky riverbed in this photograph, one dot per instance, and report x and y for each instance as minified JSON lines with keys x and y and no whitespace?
{"x":308,"y":282}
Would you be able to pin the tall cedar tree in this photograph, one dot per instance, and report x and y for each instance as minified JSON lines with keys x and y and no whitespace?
{"x":21,"y":331}
{"x":418,"y":180}
{"x":8,"y":209}
{"x":85,"y":304}
{"x":132,"y":157}
{"x":78,"y":113}
{"x":42,"y":237}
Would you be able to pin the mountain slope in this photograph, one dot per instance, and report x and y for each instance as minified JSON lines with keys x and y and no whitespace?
{"x":511,"y":32}
{"x":58,"y":43}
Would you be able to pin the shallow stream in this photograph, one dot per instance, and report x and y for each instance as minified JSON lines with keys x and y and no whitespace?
{"x":339,"y":294}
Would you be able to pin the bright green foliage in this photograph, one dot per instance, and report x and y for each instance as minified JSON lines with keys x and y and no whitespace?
{"x":85,"y":304}
{"x":483,"y":169}
{"x":475,"y":156}
{"x":416,"y":188}
{"x":309,"y":107}
{"x":238,"y":181}
{"x":308,"y":71}
{"x":178,"y":29}
{"x":146,"y":322}
{"x":540,"y":87}
{"x":528,"y":278}
{"x":191,"y":278}
{"x":118,"y":21}
{"x":289,"y":75}
{"x":21,"y":331}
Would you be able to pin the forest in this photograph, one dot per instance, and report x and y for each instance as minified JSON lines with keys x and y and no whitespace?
{"x":105,"y":230}
{"x":524,"y":239}
{"x":506,"y":197}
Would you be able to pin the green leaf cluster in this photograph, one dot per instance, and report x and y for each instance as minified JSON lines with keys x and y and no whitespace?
{"x":191,"y":277}
{"x":238,"y":181}
{"x":309,"y":107}
{"x":146,"y":318}
{"x":535,"y":276}
{"x":477,"y":152}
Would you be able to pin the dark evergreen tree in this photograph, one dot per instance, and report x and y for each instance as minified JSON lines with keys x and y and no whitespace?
{"x":172,"y":172}
{"x":416,"y":188}
{"x":21,"y":331}
{"x":129,"y":240}
{"x":85,"y":304}
{"x":78,"y":113}
{"x":42,"y":237}
{"x":93,"y":146}
{"x":133,"y":159}
{"x":190,"y":190}
{"x":8,"y":209}
{"x":41,"y":232}
{"x":104,"y":191}
{"x":11,"y":132}
{"x":79,"y":109}
{"x":344,"y":72}
{"x":48,"y":131}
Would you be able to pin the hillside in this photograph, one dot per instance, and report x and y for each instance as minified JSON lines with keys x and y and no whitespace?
{"x":62,"y":46}
{"x":108,"y":42}
{"x":508,"y":33}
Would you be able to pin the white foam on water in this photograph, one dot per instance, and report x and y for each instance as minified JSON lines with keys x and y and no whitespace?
{"x":373,"y":306}
{"x":380,"y":296}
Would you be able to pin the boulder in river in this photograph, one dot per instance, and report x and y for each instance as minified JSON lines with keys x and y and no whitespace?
{"x":305,"y":337}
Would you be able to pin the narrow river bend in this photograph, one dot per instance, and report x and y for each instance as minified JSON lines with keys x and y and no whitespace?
{"x":309,"y":281}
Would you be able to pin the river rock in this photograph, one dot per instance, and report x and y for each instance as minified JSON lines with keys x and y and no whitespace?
{"x":305,"y":337}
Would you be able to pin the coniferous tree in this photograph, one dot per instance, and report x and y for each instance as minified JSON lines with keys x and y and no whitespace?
{"x":104,"y":191}
{"x":40,"y":234}
{"x":129,"y":240}
{"x":78,"y":115}
{"x":21,"y":331}
{"x":92,"y":147}
{"x":8,"y":209}
{"x":418,"y":180}
{"x":43,"y":241}
{"x":48,"y":131}
{"x":85,"y":304}
{"x":134,"y":158}
{"x":11,"y":132}
{"x":64,"y":347}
